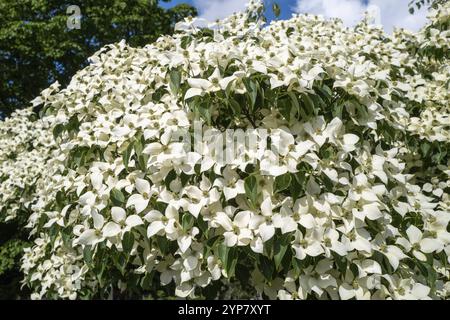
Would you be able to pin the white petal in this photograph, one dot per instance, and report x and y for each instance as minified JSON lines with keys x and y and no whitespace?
{"x":87,"y":199}
{"x":266,"y":231}
{"x":289,"y":225}
{"x":414,"y":234}
{"x":242,"y":219}
{"x":118,"y":214}
{"x":266,"y":207}
{"x":371,"y":211}
{"x":314,"y":249}
{"x":199,"y":83}
{"x":153,"y":215}
{"x":307,"y":221}
{"x":350,"y":139}
{"x":133,"y":221}
{"x":88,"y":237}
{"x":154,"y":228}
{"x":371,"y":266}
{"x":142,"y":186}
{"x":346,"y":291}
{"x":193,"y":192}
{"x":339,"y":248}
{"x":99,"y":221}
{"x":369,"y":196}
{"x":184,"y":242}
{"x":230,"y":193}
{"x":192,"y":92}
{"x":111,"y":229}
{"x":420,"y":291}
{"x":96,"y":180}
{"x":184,"y":290}
{"x":222,"y":219}
{"x":139,"y":203}
{"x":429,"y":245}
{"x":195,"y":209}
{"x":190,"y":263}
{"x":230,"y":239}
{"x":419,"y":255}
{"x":257,"y":245}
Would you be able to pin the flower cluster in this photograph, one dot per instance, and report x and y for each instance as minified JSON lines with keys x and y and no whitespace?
{"x":349,"y":200}
{"x":26,"y":147}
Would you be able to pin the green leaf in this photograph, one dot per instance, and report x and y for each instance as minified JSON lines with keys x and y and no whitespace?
{"x":187,"y":221}
{"x":146,"y":282}
{"x":205,"y":111}
{"x":425,"y":148}
{"x":252,"y":91}
{"x":73,"y":123}
{"x":142,"y":161}
{"x":251,"y":189}
{"x":57,"y":130}
{"x":296,"y":185}
{"x":280,"y":247}
{"x":309,"y":104}
{"x":128,"y":242}
{"x":295,"y":103}
{"x":163,"y":244}
{"x":282,"y":182}
{"x":185,"y":41}
{"x":202,"y":225}
{"x":127,"y":154}
{"x":341,"y":262}
{"x":117,"y":197}
{"x":325,"y":93}
{"x":276,"y":10}
{"x":235,"y":106}
{"x":228,"y":256}
{"x":266,"y":267}
{"x":285,"y":108}
{"x":212,"y":241}
{"x":139,"y":146}
{"x":175,"y":80}
{"x":87,"y":254}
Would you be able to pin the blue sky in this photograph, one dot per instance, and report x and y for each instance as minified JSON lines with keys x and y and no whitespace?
{"x":390,"y":13}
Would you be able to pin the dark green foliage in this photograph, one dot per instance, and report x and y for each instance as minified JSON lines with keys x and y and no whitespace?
{"x":37,"y":48}
{"x":12,"y":243}
{"x":418,"y":4}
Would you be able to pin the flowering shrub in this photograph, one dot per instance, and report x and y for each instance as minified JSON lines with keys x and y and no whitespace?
{"x":345,"y":195}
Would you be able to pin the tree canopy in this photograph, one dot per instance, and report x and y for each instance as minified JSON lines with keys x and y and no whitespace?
{"x":419,"y":4}
{"x":37,"y":48}
{"x":344,"y":193}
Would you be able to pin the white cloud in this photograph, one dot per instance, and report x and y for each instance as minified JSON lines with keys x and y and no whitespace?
{"x":350,"y":11}
{"x":212,"y":10}
{"x":395,"y":13}
{"x":392,"y":12}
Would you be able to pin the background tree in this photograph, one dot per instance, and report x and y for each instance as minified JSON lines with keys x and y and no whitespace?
{"x":418,"y":4}
{"x":37,"y":48}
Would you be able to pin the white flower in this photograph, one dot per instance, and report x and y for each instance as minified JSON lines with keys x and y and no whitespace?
{"x":160,"y":223}
{"x":121,"y":223}
{"x":418,"y":244}
{"x":236,"y":231}
{"x":140,"y":201}
{"x":200,"y":197}
{"x":91,"y":237}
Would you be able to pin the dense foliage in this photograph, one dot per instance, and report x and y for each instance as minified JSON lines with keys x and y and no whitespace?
{"x":30,"y":60}
{"x":37,"y":48}
{"x":419,"y":4}
{"x":357,"y":205}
